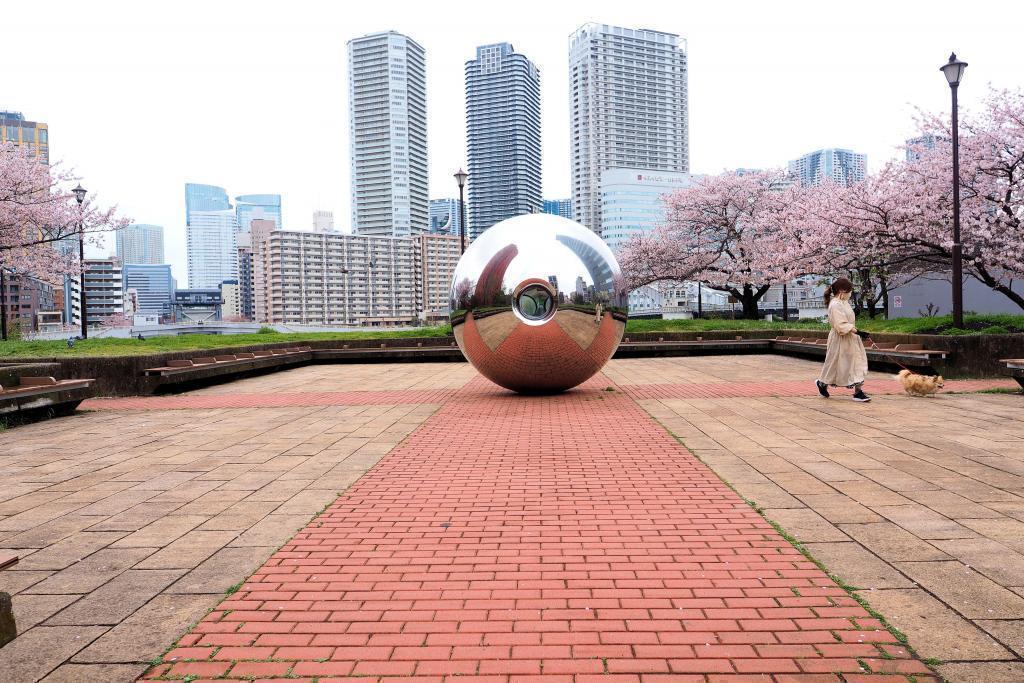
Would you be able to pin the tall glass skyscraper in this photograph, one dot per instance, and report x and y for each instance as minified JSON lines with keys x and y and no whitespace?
{"x":502,"y":136}
{"x":629,"y":108}
{"x":263,"y":206}
{"x":140,"y":243}
{"x":211,"y":228}
{"x":205,"y":198}
{"x":387,"y":99}
{"x":840,"y":166}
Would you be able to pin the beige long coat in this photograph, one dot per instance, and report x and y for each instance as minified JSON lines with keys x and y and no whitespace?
{"x":846,"y":363}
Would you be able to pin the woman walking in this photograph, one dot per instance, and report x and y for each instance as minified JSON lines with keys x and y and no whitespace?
{"x":846,"y":362}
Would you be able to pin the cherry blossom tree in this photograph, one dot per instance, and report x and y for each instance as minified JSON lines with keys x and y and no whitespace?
{"x":38,"y":211}
{"x":897,"y":224}
{"x":736,"y":233}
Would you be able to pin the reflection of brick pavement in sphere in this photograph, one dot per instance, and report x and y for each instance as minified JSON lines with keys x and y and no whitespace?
{"x":539,"y":358}
{"x":511,"y":537}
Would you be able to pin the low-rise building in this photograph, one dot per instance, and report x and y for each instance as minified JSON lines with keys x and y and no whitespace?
{"x":312,"y":278}
{"x":24,"y":300}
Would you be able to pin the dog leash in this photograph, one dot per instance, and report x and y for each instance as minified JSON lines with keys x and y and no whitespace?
{"x":891,"y":357}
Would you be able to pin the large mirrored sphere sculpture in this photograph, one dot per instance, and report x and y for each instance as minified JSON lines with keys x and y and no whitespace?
{"x":538,"y":303}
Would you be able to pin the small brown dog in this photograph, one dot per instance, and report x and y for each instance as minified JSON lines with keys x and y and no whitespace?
{"x":919,"y":385}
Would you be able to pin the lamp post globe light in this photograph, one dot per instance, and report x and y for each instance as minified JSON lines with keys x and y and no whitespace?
{"x":954,"y":73}
{"x":460,"y":178}
{"x":80,"y":198}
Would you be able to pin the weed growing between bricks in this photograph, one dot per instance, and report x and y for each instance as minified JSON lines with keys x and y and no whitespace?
{"x":850,"y":590}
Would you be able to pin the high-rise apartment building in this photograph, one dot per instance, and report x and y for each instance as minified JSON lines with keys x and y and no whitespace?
{"x":245,"y":278}
{"x":502,"y":136}
{"x":628,"y":108}
{"x":153,"y":286}
{"x":104,"y":292}
{"x":387,"y":89}
{"x":841,"y":166}
{"x":140,"y":243}
{"x":558,"y":207}
{"x":262,"y":206}
{"x":25,"y":134}
{"x":445,"y":217}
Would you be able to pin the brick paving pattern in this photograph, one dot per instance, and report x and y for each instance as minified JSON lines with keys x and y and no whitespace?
{"x":511,"y":537}
{"x":276,"y":400}
{"x":132,"y":525}
{"x":132,"y":521}
{"x":919,"y":503}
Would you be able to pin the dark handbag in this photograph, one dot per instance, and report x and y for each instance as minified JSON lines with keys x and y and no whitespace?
{"x":862,"y":334}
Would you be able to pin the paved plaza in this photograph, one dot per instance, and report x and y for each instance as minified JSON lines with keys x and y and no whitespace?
{"x":493,"y":537}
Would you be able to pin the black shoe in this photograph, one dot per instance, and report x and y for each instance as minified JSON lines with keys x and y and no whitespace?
{"x":860,"y":396}
{"x":822,"y":388}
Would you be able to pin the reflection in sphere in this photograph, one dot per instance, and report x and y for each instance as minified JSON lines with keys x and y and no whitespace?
{"x":535,"y":302}
{"x":538,"y":303}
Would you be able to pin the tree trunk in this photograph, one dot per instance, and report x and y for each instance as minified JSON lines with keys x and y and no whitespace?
{"x":748,"y":299}
{"x":884,"y":285}
{"x":997,"y":286}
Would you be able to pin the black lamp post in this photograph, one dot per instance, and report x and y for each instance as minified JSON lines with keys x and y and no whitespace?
{"x":460,"y":178}
{"x":954,"y":72}
{"x":3,"y":306}
{"x":80,"y":197}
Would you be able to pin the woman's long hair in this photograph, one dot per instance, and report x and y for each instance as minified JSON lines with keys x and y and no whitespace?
{"x":840,"y":285}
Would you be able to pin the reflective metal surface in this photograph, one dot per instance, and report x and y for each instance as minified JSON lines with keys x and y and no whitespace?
{"x":538,"y":303}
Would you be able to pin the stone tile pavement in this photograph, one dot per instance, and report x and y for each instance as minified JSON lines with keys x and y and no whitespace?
{"x":564,"y":538}
{"x":131,"y":525}
{"x":133,"y":521}
{"x":918,"y":503}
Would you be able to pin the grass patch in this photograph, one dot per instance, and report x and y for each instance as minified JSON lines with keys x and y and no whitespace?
{"x":943,"y":324}
{"x":103,"y":346}
{"x":973,"y":324}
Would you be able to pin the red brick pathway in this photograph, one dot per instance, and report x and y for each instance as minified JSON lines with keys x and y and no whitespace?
{"x":268,"y":400}
{"x":512,"y":537}
{"x":791,"y":388}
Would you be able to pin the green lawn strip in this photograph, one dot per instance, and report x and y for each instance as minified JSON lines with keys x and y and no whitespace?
{"x":850,"y":590}
{"x":974,"y":324}
{"x":107,"y":346}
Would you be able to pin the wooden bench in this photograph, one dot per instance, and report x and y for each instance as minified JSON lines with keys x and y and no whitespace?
{"x":35,"y":393}
{"x":1015,"y":369}
{"x":914,"y":355}
{"x":202,"y":368}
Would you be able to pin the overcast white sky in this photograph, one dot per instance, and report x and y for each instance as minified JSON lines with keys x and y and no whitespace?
{"x":142,"y":97}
